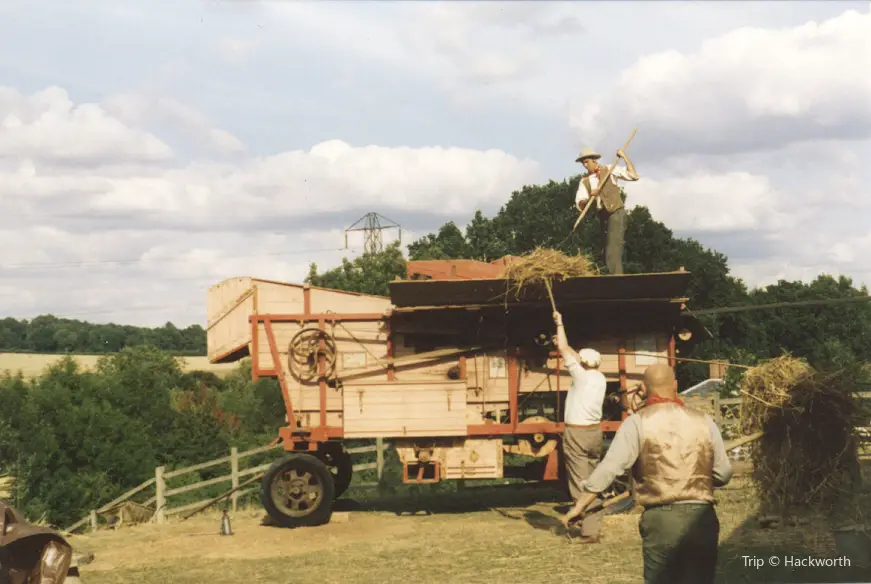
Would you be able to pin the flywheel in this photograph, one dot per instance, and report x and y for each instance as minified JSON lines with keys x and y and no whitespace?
{"x":538,"y":446}
{"x":304,"y":352}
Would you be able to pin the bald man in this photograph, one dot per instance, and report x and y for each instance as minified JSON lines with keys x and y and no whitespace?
{"x":677,"y":457}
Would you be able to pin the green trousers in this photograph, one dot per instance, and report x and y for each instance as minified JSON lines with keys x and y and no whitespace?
{"x":614,"y":228}
{"x":679,"y":543}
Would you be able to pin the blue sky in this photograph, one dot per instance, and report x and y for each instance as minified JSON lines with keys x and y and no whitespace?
{"x":203,"y":140}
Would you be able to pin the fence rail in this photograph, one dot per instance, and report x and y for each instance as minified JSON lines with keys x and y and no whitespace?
{"x":161,"y":476}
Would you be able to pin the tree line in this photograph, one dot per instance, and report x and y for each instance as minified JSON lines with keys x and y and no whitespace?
{"x":50,"y":334}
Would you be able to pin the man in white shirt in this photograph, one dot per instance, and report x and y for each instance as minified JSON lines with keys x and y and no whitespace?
{"x":609,"y":202}
{"x":582,"y":437}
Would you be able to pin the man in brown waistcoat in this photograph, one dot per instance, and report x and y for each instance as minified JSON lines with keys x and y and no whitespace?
{"x":608,"y":201}
{"x":677,"y":457}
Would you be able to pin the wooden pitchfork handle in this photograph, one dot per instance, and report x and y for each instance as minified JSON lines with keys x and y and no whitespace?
{"x":602,"y":181}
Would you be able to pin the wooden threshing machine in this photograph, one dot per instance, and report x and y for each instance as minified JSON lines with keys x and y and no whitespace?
{"x":453,"y":368}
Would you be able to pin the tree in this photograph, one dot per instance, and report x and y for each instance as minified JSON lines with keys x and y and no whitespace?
{"x":368,"y":274}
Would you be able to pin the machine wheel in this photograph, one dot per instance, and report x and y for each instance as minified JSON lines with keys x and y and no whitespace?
{"x":298,"y":491}
{"x":339,"y":463}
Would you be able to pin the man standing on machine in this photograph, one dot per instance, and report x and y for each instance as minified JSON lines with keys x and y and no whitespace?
{"x":608,"y":201}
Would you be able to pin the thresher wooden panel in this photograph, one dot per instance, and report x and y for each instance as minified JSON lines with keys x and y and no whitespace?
{"x":278,"y":298}
{"x":356,"y":343}
{"x":228,"y":305}
{"x":338,"y":301}
{"x":405,"y":409}
{"x":420,"y":369}
{"x":474,"y":459}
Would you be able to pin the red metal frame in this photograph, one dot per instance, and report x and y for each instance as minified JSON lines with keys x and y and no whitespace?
{"x":551,"y":467}
{"x":313,"y":435}
{"x":437,"y":476}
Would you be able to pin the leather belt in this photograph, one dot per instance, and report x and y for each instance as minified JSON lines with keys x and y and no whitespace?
{"x":583,"y":427}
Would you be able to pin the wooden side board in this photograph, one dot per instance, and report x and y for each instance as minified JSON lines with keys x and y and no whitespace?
{"x":401,"y":408}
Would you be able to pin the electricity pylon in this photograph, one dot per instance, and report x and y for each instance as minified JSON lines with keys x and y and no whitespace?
{"x":372,"y":228}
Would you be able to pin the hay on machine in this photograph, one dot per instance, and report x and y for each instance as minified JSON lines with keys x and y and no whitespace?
{"x":807,"y":458}
{"x":544,"y":266}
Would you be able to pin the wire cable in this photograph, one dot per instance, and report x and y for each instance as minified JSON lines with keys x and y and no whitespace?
{"x":82,"y":263}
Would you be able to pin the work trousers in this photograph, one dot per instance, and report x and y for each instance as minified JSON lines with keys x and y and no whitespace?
{"x":679,"y":543}
{"x":614,"y":228}
{"x":582,"y":449}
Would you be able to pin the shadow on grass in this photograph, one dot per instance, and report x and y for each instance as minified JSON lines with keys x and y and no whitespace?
{"x":755,"y":554}
{"x":452,"y":501}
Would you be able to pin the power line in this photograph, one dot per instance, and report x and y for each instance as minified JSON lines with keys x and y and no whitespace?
{"x":746,"y":308}
{"x":82,"y":263}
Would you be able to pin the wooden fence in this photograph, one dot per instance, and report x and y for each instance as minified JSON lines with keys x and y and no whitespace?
{"x":162,"y":509}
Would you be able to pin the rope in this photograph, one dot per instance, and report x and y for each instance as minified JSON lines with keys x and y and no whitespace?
{"x":822,"y":301}
{"x":688,"y":360}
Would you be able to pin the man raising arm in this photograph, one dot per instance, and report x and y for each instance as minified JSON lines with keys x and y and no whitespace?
{"x":582,"y":437}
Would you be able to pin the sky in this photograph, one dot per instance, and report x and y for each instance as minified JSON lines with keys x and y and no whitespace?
{"x":149,"y":150}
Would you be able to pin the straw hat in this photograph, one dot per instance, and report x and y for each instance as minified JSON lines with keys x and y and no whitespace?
{"x":588,"y":153}
{"x":590,"y":357}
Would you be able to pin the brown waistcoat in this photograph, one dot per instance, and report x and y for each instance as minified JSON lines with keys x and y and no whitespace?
{"x":609,"y":193}
{"x":676,"y":461}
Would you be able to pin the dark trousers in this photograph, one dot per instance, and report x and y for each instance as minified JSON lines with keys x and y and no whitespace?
{"x":679,"y":543}
{"x":614,"y":228}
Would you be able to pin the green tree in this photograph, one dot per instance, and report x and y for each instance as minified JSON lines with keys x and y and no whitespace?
{"x":368,"y":274}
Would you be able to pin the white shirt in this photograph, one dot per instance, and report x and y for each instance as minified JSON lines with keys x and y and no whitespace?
{"x":619,"y":173}
{"x":586,"y":395}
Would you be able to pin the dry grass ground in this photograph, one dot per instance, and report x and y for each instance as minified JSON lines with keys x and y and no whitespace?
{"x":487,"y":536}
{"x":34,"y":364}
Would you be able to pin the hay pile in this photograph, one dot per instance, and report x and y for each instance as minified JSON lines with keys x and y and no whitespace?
{"x":546,"y":265}
{"x":807,"y":459}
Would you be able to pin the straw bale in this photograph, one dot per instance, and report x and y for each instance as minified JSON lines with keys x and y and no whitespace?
{"x":546,"y":265}
{"x":807,"y":458}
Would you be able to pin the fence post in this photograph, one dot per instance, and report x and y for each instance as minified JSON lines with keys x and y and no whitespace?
{"x":159,"y":496}
{"x":718,"y":413}
{"x":379,"y":456}
{"x":93,"y":519}
{"x":234,"y":472}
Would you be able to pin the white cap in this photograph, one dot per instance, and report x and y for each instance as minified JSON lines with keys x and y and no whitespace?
{"x":590,"y":357}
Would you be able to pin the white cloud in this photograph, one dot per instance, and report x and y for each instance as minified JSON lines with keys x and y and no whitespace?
{"x":46,"y":125}
{"x":331,"y":177}
{"x":750,"y":89}
{"x":141,"y":109}
{"x":168,"y":232}
{"x":705,"y":202}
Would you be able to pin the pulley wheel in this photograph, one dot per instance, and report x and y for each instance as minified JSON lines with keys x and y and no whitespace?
{"x":538,"y":446}
{"x":304,"y":351}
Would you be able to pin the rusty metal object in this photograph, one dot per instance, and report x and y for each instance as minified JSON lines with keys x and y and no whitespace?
{"x":30,"y":553}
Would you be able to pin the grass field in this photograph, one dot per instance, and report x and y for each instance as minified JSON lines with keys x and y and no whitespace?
{"x":477,"y":535}
{"x":33,"y":364}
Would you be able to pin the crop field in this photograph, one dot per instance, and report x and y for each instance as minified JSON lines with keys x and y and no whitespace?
{"x":34,"y":364}
{"x":475,"y":535}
